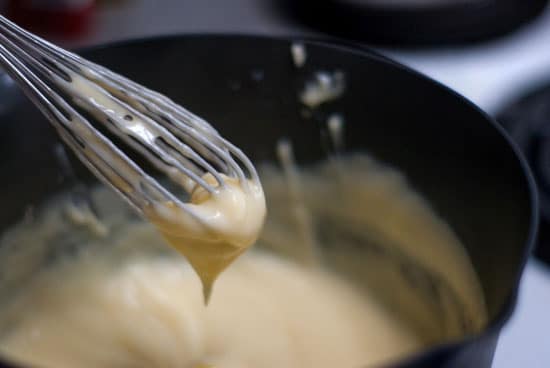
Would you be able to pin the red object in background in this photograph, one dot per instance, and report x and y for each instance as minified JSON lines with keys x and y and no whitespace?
{"x":66,"y":18}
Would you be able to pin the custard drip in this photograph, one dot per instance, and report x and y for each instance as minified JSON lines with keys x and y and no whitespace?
{"x":213,"y":229}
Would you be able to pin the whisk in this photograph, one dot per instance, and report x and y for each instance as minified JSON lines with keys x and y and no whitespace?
{"x":180,"y":144}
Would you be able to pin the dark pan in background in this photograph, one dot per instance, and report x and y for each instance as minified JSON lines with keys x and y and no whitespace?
{"x":414,"y":22}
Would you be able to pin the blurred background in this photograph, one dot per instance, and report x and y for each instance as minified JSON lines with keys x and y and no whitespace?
{"x":494,"y":52}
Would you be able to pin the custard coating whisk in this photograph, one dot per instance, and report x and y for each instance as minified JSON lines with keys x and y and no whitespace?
{"x":65,"y":87}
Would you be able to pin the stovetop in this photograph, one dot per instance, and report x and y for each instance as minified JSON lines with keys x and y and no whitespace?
{"x":491,"y":74}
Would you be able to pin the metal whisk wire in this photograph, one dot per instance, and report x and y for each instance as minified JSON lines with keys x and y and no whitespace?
{"x":177,"y":142}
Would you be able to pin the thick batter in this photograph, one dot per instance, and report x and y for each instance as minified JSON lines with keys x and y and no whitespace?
{"x":125,"y":300}
{"x":266,"y":312}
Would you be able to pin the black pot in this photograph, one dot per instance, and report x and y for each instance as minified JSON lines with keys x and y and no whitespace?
{"x":415,"y":22}
{"x":451,"y":152}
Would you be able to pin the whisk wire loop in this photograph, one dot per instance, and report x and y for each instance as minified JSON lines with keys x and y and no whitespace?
{"x":180,"y":144}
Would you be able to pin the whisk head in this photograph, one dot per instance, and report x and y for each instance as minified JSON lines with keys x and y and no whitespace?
{"x":180,"y":144}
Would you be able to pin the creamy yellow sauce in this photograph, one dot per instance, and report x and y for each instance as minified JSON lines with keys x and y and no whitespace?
{"x":266,"y":312}
{"x":126,"y":300}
